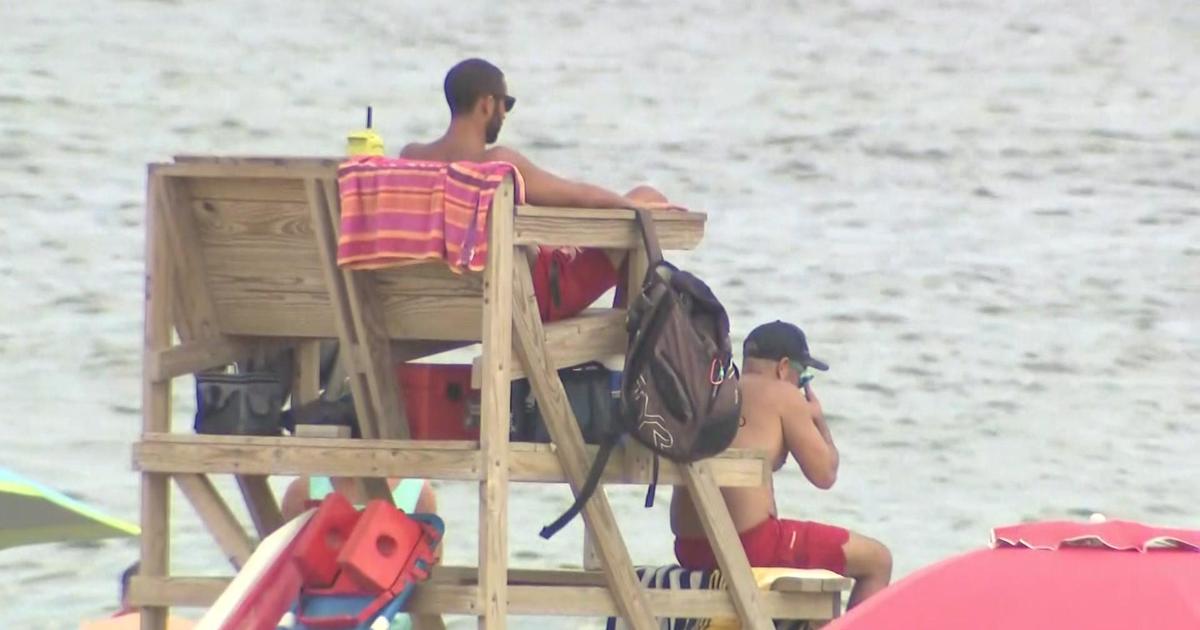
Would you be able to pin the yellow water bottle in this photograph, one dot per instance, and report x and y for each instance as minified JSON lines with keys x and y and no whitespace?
{"x":364,"y":141}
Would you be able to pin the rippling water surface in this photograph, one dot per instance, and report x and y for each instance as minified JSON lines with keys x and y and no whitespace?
{"x":986,"y":215}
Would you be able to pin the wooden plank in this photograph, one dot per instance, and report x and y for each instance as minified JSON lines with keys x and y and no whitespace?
{"x":156,"y":399}
{"x":528,"y":462}
{"x":590,"y":601}
{"x":261,"y":503}
{"x":723,"y":538}
{"x":593,"y":335}
{"x":623,"y":214}
{"x":230,"y":168}
{"x":564,"y":431}
{"x":194,"y":314}
{"x":306,"y":378}
{"x":284,"y":189}
{"x":676,"y":230}
{"x":573,"y":600}
{"x":197,"y":355}
{"x":494,"y":412}
{"x":812,"y":581}
{"x":411,"y":350}
{"x":308,"y":315}
{"x":217,"y":517}
{"x":199,"y":592}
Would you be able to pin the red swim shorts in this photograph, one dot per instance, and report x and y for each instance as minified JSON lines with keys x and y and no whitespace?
{"x":566,"y":282}
{"x":776,"y":543}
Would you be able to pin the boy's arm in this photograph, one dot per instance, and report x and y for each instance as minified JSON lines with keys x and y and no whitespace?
{"x":543,"y":188}
{"x":807,"y":438}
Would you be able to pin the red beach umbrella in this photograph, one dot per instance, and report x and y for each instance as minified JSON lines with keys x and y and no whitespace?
{"x":1056,"y":574}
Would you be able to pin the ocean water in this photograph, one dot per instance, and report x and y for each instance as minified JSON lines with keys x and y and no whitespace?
{"x":985,"y":215}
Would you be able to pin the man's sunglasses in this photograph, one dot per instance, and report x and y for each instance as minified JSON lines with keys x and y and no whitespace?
{"x":509,"y":101}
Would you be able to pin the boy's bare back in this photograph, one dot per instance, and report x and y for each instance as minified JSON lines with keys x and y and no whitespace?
{"x":777,"y":420}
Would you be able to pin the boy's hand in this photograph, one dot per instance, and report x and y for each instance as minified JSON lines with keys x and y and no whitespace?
{"x":814,"y":403}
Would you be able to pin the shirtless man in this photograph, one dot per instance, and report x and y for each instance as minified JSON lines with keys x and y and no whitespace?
{"x":479,"y":101}
{"x":566,"y":280}
{"x":782,"y":415}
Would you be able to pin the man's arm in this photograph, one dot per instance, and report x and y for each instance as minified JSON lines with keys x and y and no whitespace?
{"x":808,"y":439}
{"x":543,"y":188}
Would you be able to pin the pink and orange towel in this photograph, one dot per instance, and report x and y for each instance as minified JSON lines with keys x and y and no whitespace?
{"x":397,"y":211}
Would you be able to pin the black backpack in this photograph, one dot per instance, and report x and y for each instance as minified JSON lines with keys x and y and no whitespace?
{"x":680,"y":394}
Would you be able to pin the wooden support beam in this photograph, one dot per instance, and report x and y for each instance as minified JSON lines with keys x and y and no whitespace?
{"x":494,"y":412}
{"x":374,"y":350}
{"x":574,"y":599}
{"x":217,"y":517}
{"x":564,"y":431}
{"x":197,"y":355}
{"x":338,"y":282}
{"x":156,"y":398}
{"x":260,"y":503}
{"x":306,"y":379}
{"x":723,"y":538}
{"x":593,"y":335}
{"x":528,"y":462}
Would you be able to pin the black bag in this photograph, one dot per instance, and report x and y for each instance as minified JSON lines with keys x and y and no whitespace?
{"x":246,"y":403}
{"x":592,"y":394}
{"x":680,"y":394}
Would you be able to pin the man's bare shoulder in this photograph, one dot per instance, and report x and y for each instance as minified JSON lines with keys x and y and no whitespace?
{"x":414,"y":150}
{"x":500,"y":153}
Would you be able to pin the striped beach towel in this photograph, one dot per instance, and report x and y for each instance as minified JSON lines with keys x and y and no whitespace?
{"x":674,"y":577}
{"x":397,"y":211}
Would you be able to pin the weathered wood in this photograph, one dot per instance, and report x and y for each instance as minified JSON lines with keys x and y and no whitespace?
{"x":723,"y":538}
{"x":604,"y":228}
{"x":260,"y":503}
{"x":194,"y":316}
{"x":156,"y":399}
{"x":254,"y":168}
{"x":460,"y":460}
{"x":198,"y":355}
{"x":284,"y":189}
{"x":564,"y":431}
{"x":494,"y":412}
{"x":593,"y":335}
{"x":575,"y":600}
{"x":217,"y":517}
{"x":411,"y":350}
{"x":306,"y":376}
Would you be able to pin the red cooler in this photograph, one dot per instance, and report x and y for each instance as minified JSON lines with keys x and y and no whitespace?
{"x":438,"y":400}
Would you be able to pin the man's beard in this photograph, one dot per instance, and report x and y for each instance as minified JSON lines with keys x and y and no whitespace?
{"x":493,"y":130}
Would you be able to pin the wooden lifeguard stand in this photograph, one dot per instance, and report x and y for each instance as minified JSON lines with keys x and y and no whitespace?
{"x":241,"y":254}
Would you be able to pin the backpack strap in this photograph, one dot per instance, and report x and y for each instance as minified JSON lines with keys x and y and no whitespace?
{"x":650,"y":236}
{"x":589,"y":486}
{"x":653,"y":484}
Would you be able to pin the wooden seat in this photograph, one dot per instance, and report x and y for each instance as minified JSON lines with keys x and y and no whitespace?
{"x":241,"y":255}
